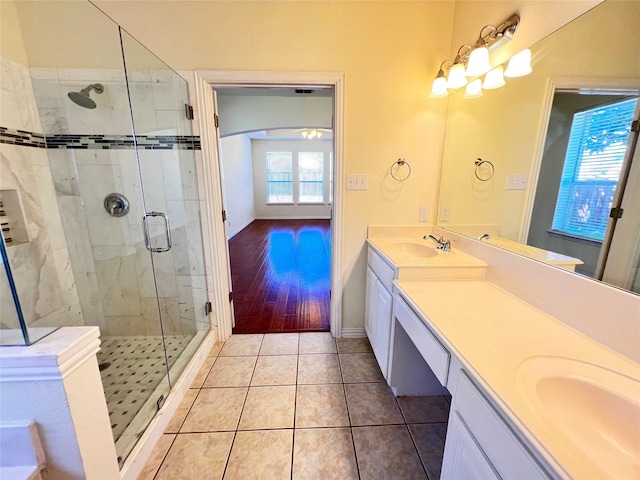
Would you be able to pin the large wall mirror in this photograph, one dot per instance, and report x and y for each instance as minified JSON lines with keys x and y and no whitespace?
{"x":588,"y":71}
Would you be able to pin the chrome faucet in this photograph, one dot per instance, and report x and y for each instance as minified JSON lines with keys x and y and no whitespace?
{"x":443,"y":244}
{"x":483,"y":236}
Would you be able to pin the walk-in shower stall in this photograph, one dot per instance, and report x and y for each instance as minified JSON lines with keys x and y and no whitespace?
{"x":99,"y":202}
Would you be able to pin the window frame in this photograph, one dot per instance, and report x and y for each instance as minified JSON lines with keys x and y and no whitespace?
{"x":270,"y":201}
{"x":577,"y":163}
{"x":300,"y":182}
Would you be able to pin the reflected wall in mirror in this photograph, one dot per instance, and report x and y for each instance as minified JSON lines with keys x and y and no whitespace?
{"x":516,"y":126}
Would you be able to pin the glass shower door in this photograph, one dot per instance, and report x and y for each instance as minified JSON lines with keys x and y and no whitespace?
{"x":170,"y":221}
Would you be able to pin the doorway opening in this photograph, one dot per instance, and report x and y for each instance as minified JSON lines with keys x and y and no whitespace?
{"x":205,"y":83}
{"x":276,"y":168}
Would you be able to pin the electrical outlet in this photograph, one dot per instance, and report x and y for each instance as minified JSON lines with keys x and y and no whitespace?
{"x":516,"y":182}
{"x":445,"y":214}
{"x":424,"y":214}
{"x":358,"y":181}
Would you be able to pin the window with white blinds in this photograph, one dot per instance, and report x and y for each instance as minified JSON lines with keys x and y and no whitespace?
{"x":597,"y":145}
{"x":279,"y":177}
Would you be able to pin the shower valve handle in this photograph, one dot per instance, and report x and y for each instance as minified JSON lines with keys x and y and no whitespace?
{"x":145,"y":231}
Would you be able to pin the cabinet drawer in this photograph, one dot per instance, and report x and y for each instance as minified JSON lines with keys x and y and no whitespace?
{"x":382,"y":269}
{"x":427,"y":344}
{"x":507,"y":454}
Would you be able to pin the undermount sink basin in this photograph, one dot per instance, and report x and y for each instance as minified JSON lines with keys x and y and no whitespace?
{"x":414,"y":249}
{"x":595,"y":409}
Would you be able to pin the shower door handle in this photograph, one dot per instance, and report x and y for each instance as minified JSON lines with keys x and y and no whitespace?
{"x":145,"y":231}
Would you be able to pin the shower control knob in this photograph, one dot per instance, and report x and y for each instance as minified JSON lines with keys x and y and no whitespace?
{"x":116,"y":205}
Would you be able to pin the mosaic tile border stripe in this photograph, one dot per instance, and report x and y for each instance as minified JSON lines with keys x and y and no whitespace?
{"x":99,"y":142}
{"x":22,"y":137}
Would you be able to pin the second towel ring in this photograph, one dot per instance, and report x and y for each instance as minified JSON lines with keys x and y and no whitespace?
{"x":400,"y":163}
{"x":479,"y":162}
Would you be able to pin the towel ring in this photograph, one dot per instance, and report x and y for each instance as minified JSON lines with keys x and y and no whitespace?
{"x":479,"y":162}
{"x":400,"y":163}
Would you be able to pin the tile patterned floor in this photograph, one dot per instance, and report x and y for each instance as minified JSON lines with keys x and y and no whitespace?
{"x":131,"y":368}
{"x":298,"y":406}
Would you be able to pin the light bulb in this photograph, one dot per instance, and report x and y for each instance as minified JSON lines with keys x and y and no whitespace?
{"x":478,"y":62}
{"x":439,"y":87}
{"x":519,"y":64}
{"x":494,"y":78}
{"x":474,"y":89}
{"x":457,"y":77}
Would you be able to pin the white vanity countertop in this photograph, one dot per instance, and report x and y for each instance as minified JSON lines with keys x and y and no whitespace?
{"x":535,"y":253}
{"x":508,"y":345}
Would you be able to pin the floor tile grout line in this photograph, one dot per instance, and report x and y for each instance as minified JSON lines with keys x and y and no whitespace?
{"x":295,"y":427}
{"x":413,"y":441}
{"x":344,"y":392}
{"x":166,"y":454}
{"x":226,"y":465}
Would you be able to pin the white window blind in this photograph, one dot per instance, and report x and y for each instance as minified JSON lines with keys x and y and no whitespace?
{"x":279,"y":177}
{"x":592,"y":166}
{"x":311,"y":177}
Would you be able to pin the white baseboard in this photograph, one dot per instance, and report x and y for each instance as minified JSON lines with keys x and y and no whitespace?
{"x":354,"y":332}
{"x":296,"y":217}
{"x":230,"y":235}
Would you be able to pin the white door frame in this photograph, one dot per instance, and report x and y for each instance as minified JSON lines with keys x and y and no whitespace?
{"x":205,"y":81}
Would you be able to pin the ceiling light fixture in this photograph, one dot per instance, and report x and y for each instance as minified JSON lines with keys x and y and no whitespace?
{"x":311,"y":133}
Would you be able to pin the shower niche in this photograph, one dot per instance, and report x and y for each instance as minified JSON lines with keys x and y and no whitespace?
{"x":14,"y":225}
{"x":78,"y":125}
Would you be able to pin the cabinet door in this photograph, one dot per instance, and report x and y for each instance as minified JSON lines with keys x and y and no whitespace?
{"x":463,"y":458}
{"x":371,"y":305}
{"x":384,"y":310}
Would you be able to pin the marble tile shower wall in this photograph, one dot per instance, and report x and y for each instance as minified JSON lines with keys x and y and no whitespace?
{"x":84,"y":262}
{"x":45,"y":281}
{"x":116,"y":280}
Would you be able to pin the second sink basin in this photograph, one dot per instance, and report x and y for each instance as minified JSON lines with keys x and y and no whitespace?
{"x":595,"y":409}
{"x":414,"y":249}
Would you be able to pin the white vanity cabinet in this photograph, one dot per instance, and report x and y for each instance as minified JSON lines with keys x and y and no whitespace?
{"x":480,"y":443}
{"x":479,"y":440}
{"x":379,"y":309}
{"x":463,"y":456}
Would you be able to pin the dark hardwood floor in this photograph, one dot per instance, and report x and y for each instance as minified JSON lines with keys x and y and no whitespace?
{"x":280,"y":271}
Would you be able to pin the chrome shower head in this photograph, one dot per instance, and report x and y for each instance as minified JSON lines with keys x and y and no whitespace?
{"x":82,"y":97}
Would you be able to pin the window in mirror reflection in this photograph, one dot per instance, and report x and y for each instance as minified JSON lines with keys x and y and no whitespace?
{"x":596,"y":150}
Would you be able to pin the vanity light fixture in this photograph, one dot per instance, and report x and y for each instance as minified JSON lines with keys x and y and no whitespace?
{"x":439,"y":87}
{"x":457,"y":77}
{"x":474,"y":89}
{"x":519,"y":65}
{"x":479,"y":56}
{"x":478,"y":63}
{"x":494,"y":78}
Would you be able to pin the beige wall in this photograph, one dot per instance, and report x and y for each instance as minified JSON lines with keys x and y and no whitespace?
{"x":10,"y":33}
{"x":389,"y":52}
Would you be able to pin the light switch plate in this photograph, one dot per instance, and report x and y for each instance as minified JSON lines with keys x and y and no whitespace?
{"x":359,"y":181}
{"x":516,"y":182}
{"x":445,"y":213}
{"x":424,"y":214}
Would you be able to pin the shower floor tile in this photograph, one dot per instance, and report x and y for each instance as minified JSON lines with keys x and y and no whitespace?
{"x":131,"y":368}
